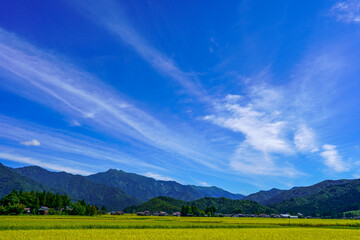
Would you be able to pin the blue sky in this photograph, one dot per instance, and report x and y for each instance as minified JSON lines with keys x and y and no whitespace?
{"x":246,"y":95}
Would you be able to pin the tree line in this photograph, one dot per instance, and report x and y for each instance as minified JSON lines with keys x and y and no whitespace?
{"x":15,"y":203}
{"x":187,"y":210}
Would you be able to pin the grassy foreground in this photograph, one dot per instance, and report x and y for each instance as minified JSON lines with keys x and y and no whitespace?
{"x":133,"y":227}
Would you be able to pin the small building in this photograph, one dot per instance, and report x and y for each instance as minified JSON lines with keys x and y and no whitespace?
{"x":43,"y":210}
{"x":176,"y":214}
{"x":161,"y":213}
{"x":140,"y":213}
{"x":286,"y":215}
{"x":27,"y":211}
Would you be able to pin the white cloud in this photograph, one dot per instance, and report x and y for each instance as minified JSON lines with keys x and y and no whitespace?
{"x":332,"y":158}
{"x":158,"y":176}
{"x":265,"y":129}
{"x":66,"y":143}
{"x":205,"y":184}
{"x":346,"y":11}
{"x":255,"y":120}
{"x":40,"y":163}
{"x":33,"y":142}
{"x":304,"y":139}
{"x":232,"y":97}
{"x":252,"y":162}
{"x":49,"y":80}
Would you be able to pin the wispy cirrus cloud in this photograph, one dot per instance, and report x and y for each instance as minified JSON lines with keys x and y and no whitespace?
{"x":259,"y":118}
{"x":47,"y":79}
{"x":111,"y":16}
{"x":158,"y":176}
{"x":43,"y":163}
{"x":332,"y":158}
{"x":270,"y":120}
{"x":262,"y":134}
{"x":304,"y":139}
{"x":346,"y":11}
{"x":74,"y":146}
{"x":33,"y":142}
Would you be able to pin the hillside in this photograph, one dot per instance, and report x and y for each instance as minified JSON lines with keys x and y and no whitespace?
{"x":331,"y":201}
{"x":10,"y":180}
{"x":156,"y":204}
{"x":146,"y":188}
{"x":223,"y":205}
{"x":275,"y":196}
{"x":79,"y":187}
{"x":263,"y":196}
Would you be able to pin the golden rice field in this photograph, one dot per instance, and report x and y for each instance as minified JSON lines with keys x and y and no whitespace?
{"x":133,"y":227}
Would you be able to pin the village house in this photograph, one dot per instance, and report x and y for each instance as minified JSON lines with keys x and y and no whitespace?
{"x":161,"y":213}
{"x":43,"y":210}
{"x":176,"y":214}
{"x":140,"y":213}
{"x":27,"y":211}
{"x":286,"y":215}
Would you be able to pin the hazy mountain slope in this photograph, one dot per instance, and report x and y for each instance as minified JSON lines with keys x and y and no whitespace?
{"x":146,"y":188}
{"x":263,"y":196}
{"x":274,"y":195}
{"x":79,"y":187}
{"x":217,"y":192}
{"x":299,"y":192}
{"x":331,"y":201}
{"x":10,"y":180}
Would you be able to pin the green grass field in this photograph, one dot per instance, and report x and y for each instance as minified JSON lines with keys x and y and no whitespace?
{"x":133,"y":227}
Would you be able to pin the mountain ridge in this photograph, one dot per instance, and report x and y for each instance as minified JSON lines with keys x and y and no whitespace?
{"x":274,"y":196}
{"x":79,"y":187}
{"x":146,"y":188}
{"x":222,"y":205}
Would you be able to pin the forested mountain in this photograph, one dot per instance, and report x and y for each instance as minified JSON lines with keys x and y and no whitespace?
{"x":263,"y":196}
{"x":146,"y":188}
{"x":274,"y":196}
{"x":79,"y":187}
{"x":156,"y":204}
{"x":223,"y":205}
{"x":10,"y":180}
{"x":331,"y":201}
{"x":327,"y":198}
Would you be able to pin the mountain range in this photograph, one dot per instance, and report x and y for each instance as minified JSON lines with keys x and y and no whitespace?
{"x":117,"y":189}
{"x":114,"y":189}
{"x":146,"y":188}
{"x":275,"y":196}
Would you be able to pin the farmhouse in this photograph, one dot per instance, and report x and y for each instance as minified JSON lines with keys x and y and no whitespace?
{"x":286,"y":215}
{"x":43,"y":210}
{"x":27,"y":211}
{"x":176,"y":214}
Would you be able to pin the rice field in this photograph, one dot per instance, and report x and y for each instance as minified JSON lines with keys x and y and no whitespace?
{"x":134,"y":227}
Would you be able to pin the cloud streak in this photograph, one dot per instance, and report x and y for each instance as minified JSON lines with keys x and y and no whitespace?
{"x":33,"y":142}
{"x":65,"y":143}
{"x":111,"y":16}
{"x":158,"y":176}
{"x":346,"y":11}
{"x":332,"y":158}
{"x":51,"y":81}
{"x":42,"y":163}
